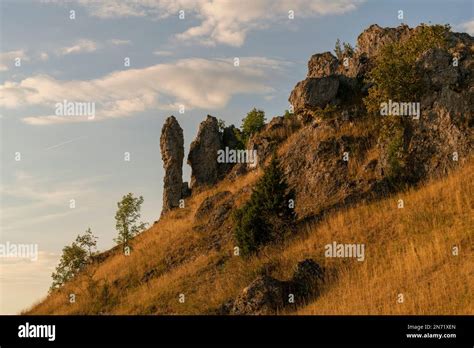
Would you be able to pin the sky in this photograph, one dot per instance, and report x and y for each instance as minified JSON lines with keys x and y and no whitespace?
{"x":181,"y":53}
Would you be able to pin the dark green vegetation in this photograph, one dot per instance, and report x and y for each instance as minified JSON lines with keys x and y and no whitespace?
{"x":269,"y":215}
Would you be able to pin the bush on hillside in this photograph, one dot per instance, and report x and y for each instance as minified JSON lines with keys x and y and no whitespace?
{"x":252,"y":123}
{"x":267,"y":216}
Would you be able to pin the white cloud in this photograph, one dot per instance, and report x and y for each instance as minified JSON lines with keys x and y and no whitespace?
{"x":468,"y":27}
{"x":80,"y":46}
{"x":7,"y":59}
{"x":119,"y":42}
{"x":163,"y":53}
{"x":43,"y":56}
{"x":221,"y":21}
{"x":194,"y":83}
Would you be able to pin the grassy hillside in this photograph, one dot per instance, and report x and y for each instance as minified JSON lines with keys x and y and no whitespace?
{"x":408,"y":251}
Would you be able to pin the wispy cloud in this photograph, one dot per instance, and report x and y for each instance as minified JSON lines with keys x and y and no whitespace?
{"x":221,"y":21}
{"x":7,"y":59}
{"x":41,"y":199}
{"x":43,"y":56}
{"x":163,"y":53}
{"x":80,"y":46}
{"x":119,"y":42}
{"x":193,"y":83}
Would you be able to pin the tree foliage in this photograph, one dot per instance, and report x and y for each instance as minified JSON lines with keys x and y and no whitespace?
{"x":221,"y":125}
{"x":252,"y":123}
{"x":127,"y":218}
{"x":267,"y":216}
{"x":74,"y":258}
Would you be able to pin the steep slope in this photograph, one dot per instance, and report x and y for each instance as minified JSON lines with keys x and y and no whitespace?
{"x":408,"y":251}
{"x":349,"y":167}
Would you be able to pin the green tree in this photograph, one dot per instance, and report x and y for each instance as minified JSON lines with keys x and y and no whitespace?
{"x":267,"y":216}
{"x":74,"y":258}
{"x":252,"y":123}
{"x":127,"y":218}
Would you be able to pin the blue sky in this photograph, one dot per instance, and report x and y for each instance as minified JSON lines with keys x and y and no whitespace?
{"x":173,"y":62}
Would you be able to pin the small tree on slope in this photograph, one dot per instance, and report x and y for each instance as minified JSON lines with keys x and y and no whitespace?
{"x":267,"y":216}
{"x":74,"y":258}
{"x":127,"y":217}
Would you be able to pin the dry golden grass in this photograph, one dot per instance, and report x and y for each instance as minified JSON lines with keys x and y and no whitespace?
{"x":408,"y":251}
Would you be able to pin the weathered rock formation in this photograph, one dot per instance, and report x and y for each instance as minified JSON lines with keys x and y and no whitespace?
{"x":326,"y":180}
{"x":267,"y":295}
{"x":328,"y":74}
{"x":172,"y":153}
{"x":314,"y":92}
{"x":264,"y":296}
{"x":203,"y":153}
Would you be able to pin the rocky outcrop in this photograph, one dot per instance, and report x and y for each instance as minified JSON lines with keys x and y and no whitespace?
{"x":203,"y":154}
{"x":172,"y":153}
{"x":439,"y":140}
{"x":230,"y":140}
{"x":438,"y":69}
{"x":267,"y":295}
{"x":264,"y":296}
{"x":322,"y":65}
{"x":266,"y":141}
{"x":326,"y":73}
{"x":314,"y":92}
{"x":371,"y":40}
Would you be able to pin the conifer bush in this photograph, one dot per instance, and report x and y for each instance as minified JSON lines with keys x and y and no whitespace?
{"x":268,"y":216}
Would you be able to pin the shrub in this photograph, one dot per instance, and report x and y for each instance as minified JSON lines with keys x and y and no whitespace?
{"x":221,"y":125}
{"x":327,"y":113}
{"x":345,"y":51}
{"x":252,"y":123}
{"x":267,"y":216}
{"x":288,"y":114}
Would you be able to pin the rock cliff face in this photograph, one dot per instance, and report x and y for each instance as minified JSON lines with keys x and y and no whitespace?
{"x":172,"y":153}
{"x":342,"y":159}
{"x":203,"y":154}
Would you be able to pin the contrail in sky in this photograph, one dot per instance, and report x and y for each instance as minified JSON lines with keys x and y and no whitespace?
{"x":64,"y":143}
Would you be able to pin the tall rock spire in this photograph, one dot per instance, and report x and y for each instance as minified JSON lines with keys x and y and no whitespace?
{"x":172,"y":153}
